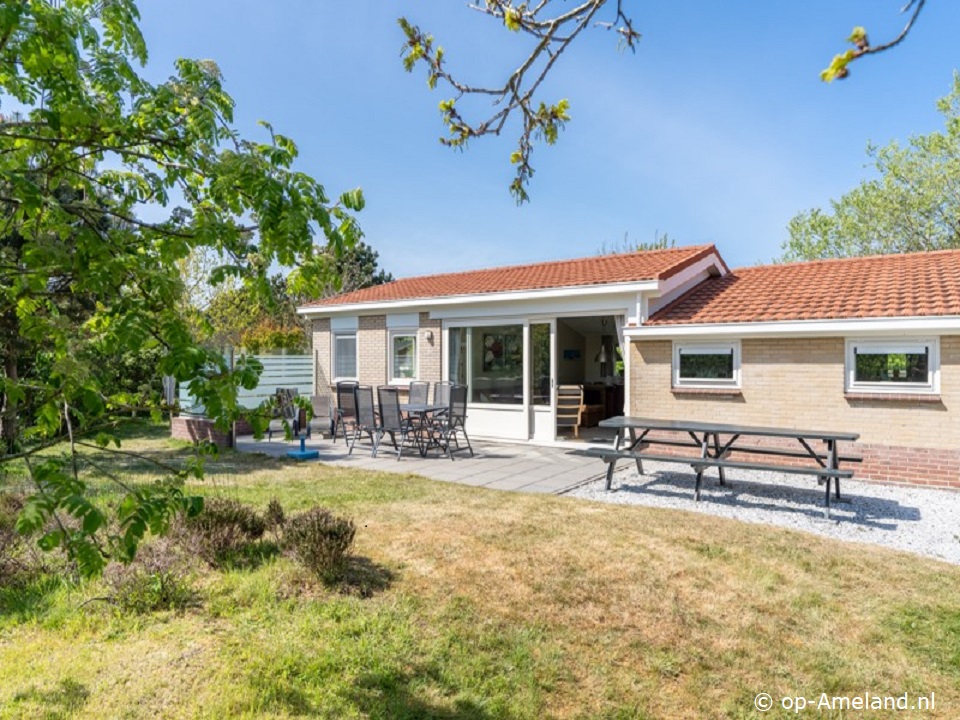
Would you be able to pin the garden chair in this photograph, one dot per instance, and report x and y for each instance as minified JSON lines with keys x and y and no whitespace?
{"x":346,"y":414}
{"x":287,"y":411}
{"x":419,"y":392}
{"x":441,"y":396}
{"x":441,"y":392}
{"x":366,"y":418}
{"x":393,"y":423}
{"x":322,"y":421}
{"x":454,"y":422}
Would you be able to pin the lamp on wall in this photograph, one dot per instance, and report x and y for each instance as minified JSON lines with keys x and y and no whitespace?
{"x":429,"y":335}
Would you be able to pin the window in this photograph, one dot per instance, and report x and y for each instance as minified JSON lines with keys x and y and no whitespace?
{"x":403,"y":355}
{"x":345,"y":356}
{"x":893,"y":366}
{"x":489,"y":360}
{"x":706,"y":366}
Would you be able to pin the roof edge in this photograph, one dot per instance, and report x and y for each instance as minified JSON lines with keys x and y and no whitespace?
{"x":481,"y":298}
{"x":696,"y":252}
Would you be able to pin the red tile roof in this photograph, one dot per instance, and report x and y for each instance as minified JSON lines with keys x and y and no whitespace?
{"x":911,"y":285}
{"x":599,"y":270}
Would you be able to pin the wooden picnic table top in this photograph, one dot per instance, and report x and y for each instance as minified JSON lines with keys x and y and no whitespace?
{"x":626,"y":422}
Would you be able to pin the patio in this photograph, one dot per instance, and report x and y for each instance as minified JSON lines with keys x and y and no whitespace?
{"x":500,"y":466}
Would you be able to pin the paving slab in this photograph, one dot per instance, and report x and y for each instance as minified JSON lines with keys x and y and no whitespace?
{"x":502,"y":466}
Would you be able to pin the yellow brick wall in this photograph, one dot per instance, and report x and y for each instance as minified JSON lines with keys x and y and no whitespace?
{"x":372,"y":350}
{"x":430,"y":351}
{"x":800,"y":383}
{"x":372,"y":354}
{"x":323,"y":372}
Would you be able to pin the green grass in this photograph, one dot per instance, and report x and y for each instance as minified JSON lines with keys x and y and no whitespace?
{"x":481,"y":604}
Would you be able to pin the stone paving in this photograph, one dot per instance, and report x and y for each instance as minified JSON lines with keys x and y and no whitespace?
{"x":501,"y":466}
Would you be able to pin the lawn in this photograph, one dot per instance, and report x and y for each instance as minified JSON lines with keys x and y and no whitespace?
{"x":483,"y":604}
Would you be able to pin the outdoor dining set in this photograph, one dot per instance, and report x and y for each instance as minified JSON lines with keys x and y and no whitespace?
{"x":421,"y":421}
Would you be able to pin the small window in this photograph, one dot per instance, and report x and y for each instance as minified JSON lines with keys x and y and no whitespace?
{"x":403,"y":355}
{"x":345,"y":356}
{"x":893,"y":366}
{"x":715,"y":365}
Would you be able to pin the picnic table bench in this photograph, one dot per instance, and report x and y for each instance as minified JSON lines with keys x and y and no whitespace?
{"x":715,"y":442}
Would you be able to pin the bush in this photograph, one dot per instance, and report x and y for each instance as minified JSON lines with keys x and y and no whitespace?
{"x":224,"y":530}
{"x":321,"y":541}
{"x":157,"y":580}
{"x":275,"y":517}
{"x":20,"y":556}
{"x":10,"y":540}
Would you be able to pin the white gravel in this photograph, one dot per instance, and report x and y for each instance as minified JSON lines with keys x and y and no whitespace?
{"x":918,"y":520}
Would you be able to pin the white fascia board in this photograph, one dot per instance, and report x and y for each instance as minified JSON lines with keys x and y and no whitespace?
{"x":688,"y":277}
{"x":575,"y":291}
{"x":568,"y":307}
{"x":803,"y":328}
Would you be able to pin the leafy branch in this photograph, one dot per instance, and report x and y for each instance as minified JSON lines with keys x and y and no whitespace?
{"x":839,"y":67}
{"x":551,"y":32}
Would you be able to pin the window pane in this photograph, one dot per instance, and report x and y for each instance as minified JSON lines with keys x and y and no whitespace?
{"x":703,"y":366}
{"x":540,"y":365}
{"x":496,"y":360}
{"x":345,"y":362}
{"x":489,"y":361}
{"x":892,"y":367}
{"x":457,"y":371}
{"x":404,"y":357}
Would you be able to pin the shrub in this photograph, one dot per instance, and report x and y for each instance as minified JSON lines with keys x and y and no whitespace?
{"x":321,"y":541}
{"x":20,"y":556}
{"x":157,"y":580}
{"x":224,"y":530}
{"x":10,"y":540}
{"x":275,"y":517}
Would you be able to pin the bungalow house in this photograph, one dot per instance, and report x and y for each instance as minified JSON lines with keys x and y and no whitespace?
{"x":868,"y":345}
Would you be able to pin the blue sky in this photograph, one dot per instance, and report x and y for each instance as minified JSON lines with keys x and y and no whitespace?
{"x":717,"y":130}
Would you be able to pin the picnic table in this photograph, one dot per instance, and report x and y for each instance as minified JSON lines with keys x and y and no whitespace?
{"x":715,"y":442}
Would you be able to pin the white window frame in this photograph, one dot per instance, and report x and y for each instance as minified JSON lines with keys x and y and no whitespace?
{"x":403,"y":332}
{"x":342,"y":335}
{"x":707,"y":348}
{"x":906,"y":345}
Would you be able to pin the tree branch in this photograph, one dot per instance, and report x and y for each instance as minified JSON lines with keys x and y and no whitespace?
{"x":539,"y":121}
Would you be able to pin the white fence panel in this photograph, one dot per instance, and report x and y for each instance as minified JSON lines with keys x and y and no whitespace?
{"x":286,"y":371}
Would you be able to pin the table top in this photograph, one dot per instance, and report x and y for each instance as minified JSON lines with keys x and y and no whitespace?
{"x":621,"y":422}
{"x":421,"y":407}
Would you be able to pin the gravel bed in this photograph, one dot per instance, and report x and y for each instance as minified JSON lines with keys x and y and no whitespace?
{"x":918,"y":520}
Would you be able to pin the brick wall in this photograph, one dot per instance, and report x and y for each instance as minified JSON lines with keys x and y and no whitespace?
{"x":372,"y":349}
{"x":194,"y":429}
{"x":322,"y":360}
{"x":800,"y":383}
{"x":430,"y":351}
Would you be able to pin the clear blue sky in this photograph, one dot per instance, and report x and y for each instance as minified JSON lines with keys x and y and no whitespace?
{"x":717,"y":130}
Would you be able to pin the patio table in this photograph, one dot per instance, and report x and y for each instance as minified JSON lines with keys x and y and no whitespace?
{"x":421,"y":428}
